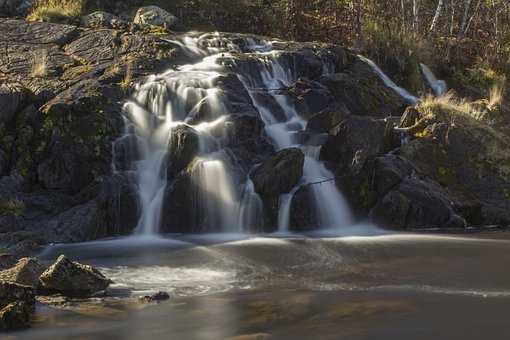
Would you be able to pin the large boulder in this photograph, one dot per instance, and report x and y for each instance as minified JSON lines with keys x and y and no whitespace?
{"x":156,"y":16}
{"x":73,"y":279}
{"x":26,"y":272}
{"x":183,"y":146}
{"x":17,"y":306}
{"x":361,"y":90}
{"x":356,"y":139}
{"x":21,"y":31}
{"x":279,"y":174}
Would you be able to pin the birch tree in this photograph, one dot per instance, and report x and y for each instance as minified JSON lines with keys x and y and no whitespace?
{"x":439,"y":10}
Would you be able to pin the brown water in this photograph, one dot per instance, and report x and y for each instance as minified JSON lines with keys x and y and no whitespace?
{"x":379,"y":286}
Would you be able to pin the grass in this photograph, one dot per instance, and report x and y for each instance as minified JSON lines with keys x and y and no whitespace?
{"x":57,"y":11}
{"x":40,"y":64}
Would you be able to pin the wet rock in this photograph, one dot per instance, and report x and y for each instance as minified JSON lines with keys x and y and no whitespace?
{"x":73,"y":279}
{"x":356,"y":139}
{"x":12,"y":98}
{"x":125,"y":152}
{"x":100,"y":19}
{"x":4,"y":163}
{"x":157,"y":297}
{"x":117,"y":202}
{"x":17,"y":306}
{"x":182,"y":148}
{"x":279,"y":174}
{"x":156,"y":16}
{"x":310,"y":97}
{"x":327,"y":119}
{"x":26,"y":272}
{"x":302,"y":210}
{"x":361,"y":90}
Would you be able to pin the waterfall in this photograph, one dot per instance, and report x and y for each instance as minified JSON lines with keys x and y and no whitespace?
{"x":437,"y":85}
{"x":226,"y":200}
{"x":390,"y":83}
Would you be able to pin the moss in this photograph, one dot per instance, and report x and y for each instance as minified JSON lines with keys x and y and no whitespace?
{"x":11,"y":207}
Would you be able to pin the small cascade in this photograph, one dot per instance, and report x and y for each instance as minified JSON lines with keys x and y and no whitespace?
{"x":437,"y":85}
{"x":192,"y":95}
{"x":390,"y":83}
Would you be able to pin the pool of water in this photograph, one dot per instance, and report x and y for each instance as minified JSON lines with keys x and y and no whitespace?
{"x":368,"y":284}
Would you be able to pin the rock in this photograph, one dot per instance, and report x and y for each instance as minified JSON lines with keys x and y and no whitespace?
{"x":126,"y":152}
{"x":7,"y":261}
{"x":302,"y":210}
{"x":73,"y":279}
{"x":356,"y":139}
{"x":30,"y":32}
{"x":157,"y":297}
{"x":34,"y":60}
{"x":4,"y":163}
{"x":156,"y":16}
{"x":279,"y":174}
{"x":17,"y":306}
{"x":95,"y":46}
{"x":14,"y":7}
{"x":182,"y":148}
{"x":326,"y":120}
{"x":363,"y":93}
{"x":310,"y":97}
{"x":26,"y":272}
{"x":85,"y":222}
{"x":100,"y":19}
{"x":65,"y":169}
{"x":12,"y":99}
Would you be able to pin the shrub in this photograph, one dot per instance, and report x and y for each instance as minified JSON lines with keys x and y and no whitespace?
{"x":58,"y":11}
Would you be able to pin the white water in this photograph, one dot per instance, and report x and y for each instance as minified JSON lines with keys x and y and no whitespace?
{"x":438,"y":86}
{"x":390,"y":83}
{"x":227,"y":200}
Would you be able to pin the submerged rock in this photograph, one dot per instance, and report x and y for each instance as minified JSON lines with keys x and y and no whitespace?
{"x":17,"y":305}
{"x":73,"y":279}
{"x":156,"y":16}
{"x":157,"y":297}
{"x":25,"y":272}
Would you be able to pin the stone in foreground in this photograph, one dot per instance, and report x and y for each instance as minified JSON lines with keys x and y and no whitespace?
{"x":73,"y":279}
{"x":25,"y":272}
{"x":17,"y":305}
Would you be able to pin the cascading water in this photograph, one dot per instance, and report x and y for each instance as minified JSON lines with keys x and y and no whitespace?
{"x":438,"y":86}
{"x":227,"y":198}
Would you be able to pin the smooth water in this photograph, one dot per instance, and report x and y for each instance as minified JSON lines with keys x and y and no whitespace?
{"x":362,"y":284}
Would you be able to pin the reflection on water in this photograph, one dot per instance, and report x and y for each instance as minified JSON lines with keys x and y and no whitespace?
{"x":371,"y":285}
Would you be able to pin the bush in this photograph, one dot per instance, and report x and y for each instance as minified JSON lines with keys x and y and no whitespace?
{"x":57,"y":11}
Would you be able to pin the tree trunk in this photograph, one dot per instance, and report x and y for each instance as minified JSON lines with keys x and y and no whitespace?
{"x":415,"y":15}
{"x":465,"y":16}
{"x":439,"y":10}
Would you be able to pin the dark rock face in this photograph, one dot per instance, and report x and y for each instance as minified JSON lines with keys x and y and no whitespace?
{"x":356,"y":139}
{"x":302,"y":210}
{"x":26,"y":272}
{"x":279,"y":174}
{"x":363,"y":93}
{"x":17,"y":305}
{"x":73,"y":279}
{"x":12,"y":99}
{"x":182,"y":149}
{"x":64,"y":170}
{"x":310,"y":97}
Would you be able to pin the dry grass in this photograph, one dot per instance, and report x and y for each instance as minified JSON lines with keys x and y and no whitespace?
{"x":59,"y":11}
{"x":40,"y":63}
